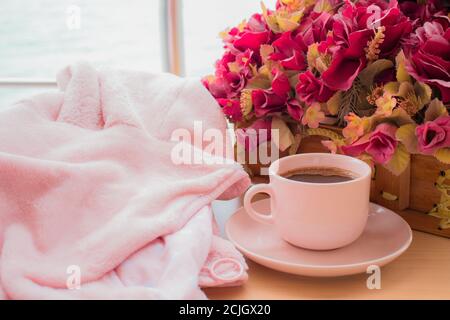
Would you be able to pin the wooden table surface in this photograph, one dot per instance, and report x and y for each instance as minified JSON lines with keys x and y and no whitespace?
{"x":422,"y":272}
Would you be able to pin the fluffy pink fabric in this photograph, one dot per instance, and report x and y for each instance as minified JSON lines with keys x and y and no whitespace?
{"x":87,"y":180}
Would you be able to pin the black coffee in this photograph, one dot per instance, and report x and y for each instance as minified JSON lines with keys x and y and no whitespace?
{"x":320,"y":175}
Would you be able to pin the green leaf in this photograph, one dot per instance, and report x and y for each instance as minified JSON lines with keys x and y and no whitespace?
{"x":260,"y":81}
{"x":405,"y":89}
{"x":265,"y":51}
{"x":368,"y":74}
{"x":286,"y":138}
{"x":406,"y":134}
{"x":435,"y":110}
{"x":400,"y":161}
{"x":443,"y":155}
{"x":423,"y":93}
{"x":334,"y":103}
{"x":392,"y":87}
{"x":400,"y":117}
{"x":402,"y":74}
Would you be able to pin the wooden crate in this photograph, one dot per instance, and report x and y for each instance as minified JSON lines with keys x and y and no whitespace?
{"x":414,"y":190}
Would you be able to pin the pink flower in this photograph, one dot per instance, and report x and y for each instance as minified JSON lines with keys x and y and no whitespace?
{"x":280,"y":83}
{"x":231,"y":108}
{"x":251,"y":40}
{"x":428,"y":57}
{"x":218,"y":87}
{"x":422,"y":11}
{"x":254,"y":135}
{"x":222,"y":64}
{"x":348,"y":61}
{"x":256,"y":23}
{"x":397,"y":27}
{"x":330,"y":145}
{"x":316,"y":26}
{"x":290,"y":51}
{"x":434,"y":135}
{"x":313,"y":116}
{"x":352,"y":30}
{"x":295,"y":110}
{"x":266,"y":102}
{"x":380,"y":144}
{"x":311,"y":89}
{"x":356,"y":126}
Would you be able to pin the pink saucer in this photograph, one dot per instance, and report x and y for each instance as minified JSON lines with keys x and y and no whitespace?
{"x":385,"y":238}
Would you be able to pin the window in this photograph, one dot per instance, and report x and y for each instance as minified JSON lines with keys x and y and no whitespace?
{"x":39,"y":37}
{"x":203,"y":21}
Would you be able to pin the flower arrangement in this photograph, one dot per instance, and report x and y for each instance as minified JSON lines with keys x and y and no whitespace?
{"x":378,"y":69}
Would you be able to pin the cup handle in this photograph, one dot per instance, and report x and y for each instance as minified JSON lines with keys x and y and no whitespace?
{"x":259,"y":188}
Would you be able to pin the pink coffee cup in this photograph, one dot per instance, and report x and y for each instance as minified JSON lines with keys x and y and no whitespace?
{"x":317,"y":216}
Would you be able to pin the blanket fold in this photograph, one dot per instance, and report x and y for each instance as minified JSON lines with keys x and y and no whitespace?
{"x":92,"y":203}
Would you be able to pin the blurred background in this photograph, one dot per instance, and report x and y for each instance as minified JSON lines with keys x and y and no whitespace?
{"x":39,"y":37}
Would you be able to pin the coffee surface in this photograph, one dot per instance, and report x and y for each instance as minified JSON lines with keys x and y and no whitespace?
{"x":320,"y":175}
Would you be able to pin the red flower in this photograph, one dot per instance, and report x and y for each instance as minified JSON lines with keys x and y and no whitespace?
{"x":231,"y":108}
{"x":252,"y":136}
{"x":316,"y":27}
{"x":218,"y":87}
{"x":397,"y":27}
{"x":310,"y":89}
{"x":423,"y":11}
{"x":295,"y":110}
{"x":434,"y":135}
{"x":251,"y":40}
{"x":290,"y":50}
{"x":429,"y":59}
{"x":280,"y":84}
{"x":349,"y":57}
{"x":266,"y":102}
{"x":222,"y":64}
{"x":352,"y":30}
{"x":380,"y":144}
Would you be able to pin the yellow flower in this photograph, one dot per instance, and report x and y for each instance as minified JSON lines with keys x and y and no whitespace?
{"x":283,"y":19}
{"x":313,"y":116}
{"x":356,"y":127}
{"x":385,"y":105}
{"x":330,"y":145}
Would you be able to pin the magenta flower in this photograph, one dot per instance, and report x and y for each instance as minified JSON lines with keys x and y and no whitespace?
{"x":280,"y":83}
{"x":267,"y":102}
{"x":311,"y":89}
{"x":434,"y":135}
{"x":222,"y":64}
{"x":428,"y":57}
{"x":295,"y":110}
{"x":252,"y":136}
{"x":316,"y":26}
{"x":256,"y":23}
{"x":422,"y":11}
{"x":347,"y":61}
{"x":231,"y":108}
{"x":380,"y":144}
{"x":352,"y":30}
{"x":396,"y":27}
{"x":251,"y":40}
{"x":218,"y":87}
{"x":290,"y":51}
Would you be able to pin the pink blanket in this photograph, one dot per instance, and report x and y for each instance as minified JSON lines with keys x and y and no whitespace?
{"x":92,"y":205}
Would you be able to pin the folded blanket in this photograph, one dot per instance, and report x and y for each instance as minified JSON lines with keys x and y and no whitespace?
{"x":92,"y":204}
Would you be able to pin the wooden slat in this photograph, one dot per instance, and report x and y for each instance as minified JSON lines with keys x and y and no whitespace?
{"x":424,"y":172}
{"x":398,"y":186}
